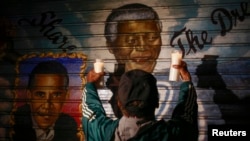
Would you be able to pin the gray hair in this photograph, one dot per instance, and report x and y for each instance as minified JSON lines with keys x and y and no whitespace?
{"x":134,"y":11}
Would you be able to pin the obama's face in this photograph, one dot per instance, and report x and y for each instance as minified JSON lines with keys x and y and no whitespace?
{"x":47,"y":96}
{"x":137,"y":45}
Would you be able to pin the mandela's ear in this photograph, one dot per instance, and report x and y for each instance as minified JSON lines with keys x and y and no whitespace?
{"x":109,"y":46}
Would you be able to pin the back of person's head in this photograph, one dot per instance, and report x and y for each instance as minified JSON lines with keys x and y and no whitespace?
{"x":48,"y":67}
{"x":129,"y":12}
{"x":137,"y":94}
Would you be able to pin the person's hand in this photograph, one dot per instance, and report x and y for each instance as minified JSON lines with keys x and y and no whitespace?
{"x":93,"y":77}
{"x":185,"y":75}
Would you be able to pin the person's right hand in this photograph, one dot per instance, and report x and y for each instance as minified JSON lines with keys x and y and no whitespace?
{"x":184,"y":73}
{"x":93,"y":77}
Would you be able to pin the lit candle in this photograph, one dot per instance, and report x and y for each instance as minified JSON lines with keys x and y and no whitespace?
{"x":98,"y":66}
{"x":175,"y":60}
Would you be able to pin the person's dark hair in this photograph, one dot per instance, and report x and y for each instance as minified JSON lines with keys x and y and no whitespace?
{"x":48,"y":67}
{"x":128,"y":12}
{"x":146,"y":112}
{"x":138,"y":94}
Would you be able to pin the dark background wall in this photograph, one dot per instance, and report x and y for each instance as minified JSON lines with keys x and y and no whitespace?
{"x":214,"y":36}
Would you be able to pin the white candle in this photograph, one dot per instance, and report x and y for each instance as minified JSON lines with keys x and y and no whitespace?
{"x":175,"y":60}
{"x":98,"y":66}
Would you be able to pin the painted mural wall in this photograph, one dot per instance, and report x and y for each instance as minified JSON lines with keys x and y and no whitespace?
{"x":62,"y":38}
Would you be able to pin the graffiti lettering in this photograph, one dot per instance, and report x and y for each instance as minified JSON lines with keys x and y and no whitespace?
{"x":192,"y":40}
{"x":47,"y":24}
{"x":227,"y":19}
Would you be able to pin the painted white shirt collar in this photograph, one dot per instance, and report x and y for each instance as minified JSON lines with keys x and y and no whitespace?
{"x":41,"y":135}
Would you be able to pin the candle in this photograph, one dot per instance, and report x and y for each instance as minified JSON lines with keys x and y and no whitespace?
{"x":175,"y":60}
{"x":98,"y":66}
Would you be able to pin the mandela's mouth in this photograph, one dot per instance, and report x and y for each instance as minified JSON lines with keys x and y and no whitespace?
{"x":140,"y":59}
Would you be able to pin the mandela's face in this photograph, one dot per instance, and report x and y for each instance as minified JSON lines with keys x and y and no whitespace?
{"x":137,"y":45}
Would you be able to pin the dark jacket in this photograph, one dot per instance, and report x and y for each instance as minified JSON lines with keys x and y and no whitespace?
{"x":182,"y":126}
{"x":65,"y":127}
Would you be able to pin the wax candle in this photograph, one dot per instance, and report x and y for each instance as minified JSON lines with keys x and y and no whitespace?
{"x":98,"y":66}
{"x":176,"y":56}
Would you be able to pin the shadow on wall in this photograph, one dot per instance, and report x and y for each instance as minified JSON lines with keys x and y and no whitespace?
{"x":233,"y":110}
{"x":113,"y":83}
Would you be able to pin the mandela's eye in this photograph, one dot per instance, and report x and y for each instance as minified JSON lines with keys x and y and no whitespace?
{"x":130,"y":39}
{"x":152,"y":36}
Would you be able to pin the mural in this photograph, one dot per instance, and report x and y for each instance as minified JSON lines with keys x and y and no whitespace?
{"x":46,"y":86}
{"x":213,"y":36}
{"x":133,"y":35}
